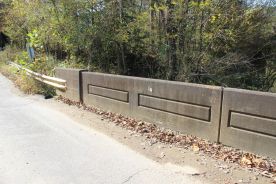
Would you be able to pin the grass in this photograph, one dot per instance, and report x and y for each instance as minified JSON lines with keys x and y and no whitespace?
{"x":20,"y":79}
{"x":25,"y":83}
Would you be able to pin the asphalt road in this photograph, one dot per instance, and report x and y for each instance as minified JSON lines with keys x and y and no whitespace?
{"x":41,"y":145}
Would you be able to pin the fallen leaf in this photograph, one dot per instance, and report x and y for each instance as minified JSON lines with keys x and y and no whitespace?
{"x":246,"y":161}
{"x":162,"y":155}
{"x":195,"y":148}
{"x":266,"y":174}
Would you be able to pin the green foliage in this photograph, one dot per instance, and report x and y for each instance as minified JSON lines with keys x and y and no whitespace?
{"x":229,"y":42}
{"x":25,"y":83}
{"x":22,"y":59}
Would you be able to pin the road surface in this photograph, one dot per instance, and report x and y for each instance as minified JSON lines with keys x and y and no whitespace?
{"x":39,"y":145}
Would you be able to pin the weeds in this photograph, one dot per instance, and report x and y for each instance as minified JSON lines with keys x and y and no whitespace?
{"x":25,"y":83}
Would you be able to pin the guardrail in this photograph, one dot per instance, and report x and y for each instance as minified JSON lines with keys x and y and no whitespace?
{"x":52,"y":81}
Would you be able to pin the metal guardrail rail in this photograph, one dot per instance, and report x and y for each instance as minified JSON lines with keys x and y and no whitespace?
{"x":52,"y":81}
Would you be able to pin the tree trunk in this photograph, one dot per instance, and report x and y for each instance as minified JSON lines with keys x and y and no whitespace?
{"x":172,"y":38}
{"x":122,"y":61}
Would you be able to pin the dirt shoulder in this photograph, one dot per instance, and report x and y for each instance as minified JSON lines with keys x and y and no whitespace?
{"x":210,"y":170}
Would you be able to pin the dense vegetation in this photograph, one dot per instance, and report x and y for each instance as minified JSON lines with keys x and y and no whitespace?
{"x":229,"y":42}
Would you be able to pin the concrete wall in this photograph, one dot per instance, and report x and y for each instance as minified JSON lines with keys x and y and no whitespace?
{"x":249,"y":121}
{"x":74,"y":84}
{"x":189,"y":108}
{"x":234,"y":117}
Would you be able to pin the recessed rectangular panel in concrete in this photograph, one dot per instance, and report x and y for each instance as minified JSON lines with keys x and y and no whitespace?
{"x":188,"y":108}
{"x":249,"y":121}
{"x":184,"y":107}
{"x":109,"y":93}
{"x":253,"y":123}
{"x":176,"y":107}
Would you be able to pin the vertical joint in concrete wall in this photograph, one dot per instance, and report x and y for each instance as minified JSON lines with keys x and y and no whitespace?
{"x":220,"y":114}
{"x":73,"y":78}
{"x":81,"y":85}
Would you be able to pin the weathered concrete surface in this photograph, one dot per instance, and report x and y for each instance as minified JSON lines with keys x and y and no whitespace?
{"x":39,"y":145}
{"x":73,"y":78}
{"x":249,"y":121}
{"x":188,"y":108}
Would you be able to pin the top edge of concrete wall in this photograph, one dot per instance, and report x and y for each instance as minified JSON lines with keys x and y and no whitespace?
{"x":155,"y":80}
{"x":71,"y":69}
{"x":247,"y":91}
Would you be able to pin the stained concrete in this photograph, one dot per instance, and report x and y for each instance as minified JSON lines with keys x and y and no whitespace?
{"x":73,"y":83}
{"x":188,"y":108}
{"x":239,"y":118}
{"x":249,"y":121}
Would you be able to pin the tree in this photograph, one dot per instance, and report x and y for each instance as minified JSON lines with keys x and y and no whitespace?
{"x":230,"y":43}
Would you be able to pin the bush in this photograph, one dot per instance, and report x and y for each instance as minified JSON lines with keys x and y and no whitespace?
{"x":25,"y":83}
